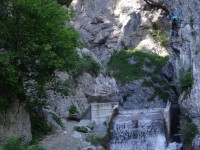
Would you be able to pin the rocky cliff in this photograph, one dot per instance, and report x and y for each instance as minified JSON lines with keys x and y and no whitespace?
{"x":107,"y":26}
{"x":15,"y":121}
{"x":184,"y":56}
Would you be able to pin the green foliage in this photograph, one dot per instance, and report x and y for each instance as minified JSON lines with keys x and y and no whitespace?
{"x":161,"y":93}
{"x":186,"y":79}
{"x":13,"y":144}
{"x":126,"y":72}
{"x":160,"y":88}
{"x":64,"y":2}
{"x":161,"y":37}
{"x":36,"y":147}
{"x":94,"y":140}
{"x":16,"y":144}
{"x":57,"y":119}
{"x":87,"y":64}
{"x":62,"y":87}
{"x":147,"y":83}
{"x":81,"y":129}
{"x":73,"y":109}
{"x":39,"y":127}
{"x":34,"y":43}
{"x":188,"y":128}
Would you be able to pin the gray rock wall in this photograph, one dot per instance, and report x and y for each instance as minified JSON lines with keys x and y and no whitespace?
{"x":89,"y":89}
{"x":15,"y":121}
{"x":112,"y":25}
{"x":184,"y":54}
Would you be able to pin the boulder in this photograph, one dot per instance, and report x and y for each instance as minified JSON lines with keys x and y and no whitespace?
{"x":100,"y":130}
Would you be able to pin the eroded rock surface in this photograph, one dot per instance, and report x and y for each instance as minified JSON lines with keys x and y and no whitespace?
{"x":15,"y":122}
{"x":107,"y":26}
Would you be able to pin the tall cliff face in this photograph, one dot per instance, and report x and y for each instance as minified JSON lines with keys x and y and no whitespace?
{"x":112,"y":25}
{"x":15,"y":121}
{"x":184,"y":55}
{"x":185,"y":48}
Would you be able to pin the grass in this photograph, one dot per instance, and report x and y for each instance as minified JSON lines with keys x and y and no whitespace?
{"x":15,"y":143}
{"x":94,"y":140}
{"x":125,"y":72}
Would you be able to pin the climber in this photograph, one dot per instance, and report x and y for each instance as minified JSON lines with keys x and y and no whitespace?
{"x":175,"y":21}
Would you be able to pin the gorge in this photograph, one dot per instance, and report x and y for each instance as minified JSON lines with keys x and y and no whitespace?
{"x":132,"y":59}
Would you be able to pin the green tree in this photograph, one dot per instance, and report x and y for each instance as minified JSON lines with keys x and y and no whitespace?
{"x":34,"y":44}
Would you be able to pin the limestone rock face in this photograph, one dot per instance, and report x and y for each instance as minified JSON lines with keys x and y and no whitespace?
{"x":112,"y":25}
{"x":184,"y":54}
{"x":135,"y":96}
{"x":15,"y":122}
{"x":89,"y":89}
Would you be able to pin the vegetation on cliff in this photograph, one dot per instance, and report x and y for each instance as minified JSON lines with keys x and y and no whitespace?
{"x":129,"y":65}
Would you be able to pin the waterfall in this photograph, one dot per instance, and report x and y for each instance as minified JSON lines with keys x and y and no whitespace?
{"x":139,"y":130}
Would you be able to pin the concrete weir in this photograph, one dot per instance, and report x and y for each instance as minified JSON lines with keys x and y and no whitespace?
{"x":102,"y":112}
{"x":146,"y":129}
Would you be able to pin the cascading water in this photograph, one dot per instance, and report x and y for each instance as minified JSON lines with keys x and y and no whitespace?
{"x":139,"y":130}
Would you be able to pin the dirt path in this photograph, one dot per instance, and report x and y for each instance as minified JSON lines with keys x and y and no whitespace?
{"x":67,"y":139}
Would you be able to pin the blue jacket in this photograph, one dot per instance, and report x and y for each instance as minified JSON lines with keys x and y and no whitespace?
{"x":175,"y":16}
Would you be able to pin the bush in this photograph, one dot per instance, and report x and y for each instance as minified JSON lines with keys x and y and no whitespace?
{"x":57,"y":119}
{"x":73,"y":109}
{"x":125,"y":72}
{"x":81,"y":129}
{"x":94,"y":140}
{"x":161,"y":37}
{"x":87,"y":65}
{"x":15,"y":143}
{"x":188,"y":128}
{"x":39,"y":127}
{"x":186,"y":79}
{"x":64,"y":2}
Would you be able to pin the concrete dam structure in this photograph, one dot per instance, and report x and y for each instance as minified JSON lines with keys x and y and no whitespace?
{"x":146,"y":129}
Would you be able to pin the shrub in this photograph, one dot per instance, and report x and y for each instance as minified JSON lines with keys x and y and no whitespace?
{"x":57,"y":119}
{"x":15,"y":143}
{"x":186,"y":79}
{"x":81,"y":129}
{"x":73,"y":109}
{"x":39,"y":127}
{"x":147,"y":83}
{"x":87,"y":64}
{"x":64,"y":2}
{"x":188,"y":128}
{"x":125,"y":72}
{"x":94,"y":140}
{"x":161,"y":37}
